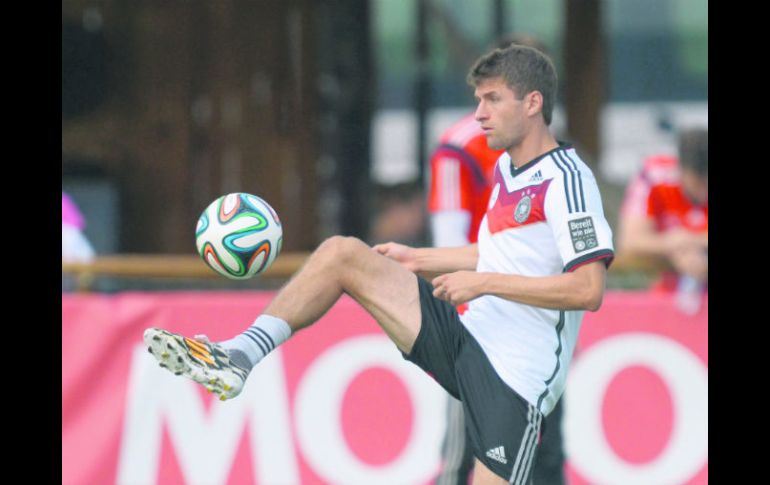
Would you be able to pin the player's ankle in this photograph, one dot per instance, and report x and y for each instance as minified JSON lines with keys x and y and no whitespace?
{"x":261,"y":338}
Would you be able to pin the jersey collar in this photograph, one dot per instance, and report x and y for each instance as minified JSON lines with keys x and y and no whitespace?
{"x":517,"y":171}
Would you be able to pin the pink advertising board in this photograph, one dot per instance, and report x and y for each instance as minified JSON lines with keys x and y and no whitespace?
{"x":338,"y":404}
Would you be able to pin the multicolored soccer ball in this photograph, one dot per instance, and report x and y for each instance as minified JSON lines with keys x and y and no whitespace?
{"x":239,"y":235}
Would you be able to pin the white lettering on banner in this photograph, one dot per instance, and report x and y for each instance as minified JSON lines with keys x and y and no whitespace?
{"x":319,"y":428}
{"x":205,"y":443}
{"x":687,"y":380}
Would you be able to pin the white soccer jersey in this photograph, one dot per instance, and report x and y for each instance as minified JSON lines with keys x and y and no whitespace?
{"x":543,"y":219}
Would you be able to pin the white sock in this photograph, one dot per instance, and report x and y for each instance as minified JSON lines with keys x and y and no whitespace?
{"x":264,"y":335}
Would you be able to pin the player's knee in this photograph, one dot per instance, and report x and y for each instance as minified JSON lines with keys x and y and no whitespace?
{"x":328,"y":249}
{"x":340,"y":249}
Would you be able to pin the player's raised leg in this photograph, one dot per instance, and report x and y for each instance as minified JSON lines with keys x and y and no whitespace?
{"x":388,"y":291}
{"x":346,"y":265}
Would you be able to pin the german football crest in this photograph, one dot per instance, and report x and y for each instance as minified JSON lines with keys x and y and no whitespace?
{"x":523,"y":209}
{"x":518,"y":208}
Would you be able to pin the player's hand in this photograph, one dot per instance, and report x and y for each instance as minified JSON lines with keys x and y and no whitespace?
{"x":398,"y":252}
{"x":458,"y":287}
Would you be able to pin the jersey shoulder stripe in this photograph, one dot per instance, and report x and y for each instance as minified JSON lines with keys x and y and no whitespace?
{"x":573,"y":182}
{"x":580,"y":178}
{"x":566,"y":184}
{"x":570,"y":179}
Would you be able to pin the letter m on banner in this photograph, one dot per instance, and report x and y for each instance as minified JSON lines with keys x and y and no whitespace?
{"x":206,"y":442}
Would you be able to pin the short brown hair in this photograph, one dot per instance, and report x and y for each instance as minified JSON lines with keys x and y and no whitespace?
{"x":524,"y":70}
{"x":694,"y":150}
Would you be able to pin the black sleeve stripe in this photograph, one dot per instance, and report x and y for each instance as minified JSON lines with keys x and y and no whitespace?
{"x":580,"y":180}
{"x":566,"y":185}
{"x":590,"y":257}
{"x":565,"y":167}
{"x":572,"y":180}
{"x":573,"y":171}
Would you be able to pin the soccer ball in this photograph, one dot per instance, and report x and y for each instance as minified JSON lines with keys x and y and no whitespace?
{"x":239,"y":235}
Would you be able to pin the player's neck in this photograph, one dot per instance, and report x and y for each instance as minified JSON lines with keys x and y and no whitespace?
{"x":537,"y":142}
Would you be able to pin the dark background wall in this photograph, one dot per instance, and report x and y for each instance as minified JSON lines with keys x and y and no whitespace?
{"x":168,"y":104}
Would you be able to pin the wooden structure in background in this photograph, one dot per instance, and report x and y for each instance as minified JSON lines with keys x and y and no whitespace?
{"x":272,"y":97}
{"x":585,"y":74}
{"x":154,"y":266}
{"x":204,"y":98}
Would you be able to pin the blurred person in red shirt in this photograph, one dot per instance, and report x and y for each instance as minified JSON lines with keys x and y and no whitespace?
{"x":665,"y":215}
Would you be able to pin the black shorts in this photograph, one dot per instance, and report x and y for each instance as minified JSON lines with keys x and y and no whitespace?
{"x":503,"y":428}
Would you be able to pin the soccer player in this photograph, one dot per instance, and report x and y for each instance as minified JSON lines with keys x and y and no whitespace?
{"x":665,"y":215}
{"x":462,"y":178}
{"x":540,"y":262}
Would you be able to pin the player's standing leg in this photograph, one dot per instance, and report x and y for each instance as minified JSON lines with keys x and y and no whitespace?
{"x":549,"y":465}
{"x":456,"y":453}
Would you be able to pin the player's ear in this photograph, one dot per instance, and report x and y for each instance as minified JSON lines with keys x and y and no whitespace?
{"x":534,"y":103}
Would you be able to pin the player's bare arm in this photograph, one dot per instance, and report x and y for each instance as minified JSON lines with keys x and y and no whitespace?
{"x":639,"y":237}
{"x":693,"y":262}
{"x":582,"y":289}
{"x":431,"y":262}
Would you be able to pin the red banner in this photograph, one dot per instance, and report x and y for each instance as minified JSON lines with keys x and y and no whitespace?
{"x":338,"y":404}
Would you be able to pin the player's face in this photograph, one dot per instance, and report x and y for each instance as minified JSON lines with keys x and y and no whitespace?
{"x":501,"y":115}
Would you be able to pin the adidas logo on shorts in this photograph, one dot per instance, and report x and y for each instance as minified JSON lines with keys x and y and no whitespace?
{"x":498,"y":454}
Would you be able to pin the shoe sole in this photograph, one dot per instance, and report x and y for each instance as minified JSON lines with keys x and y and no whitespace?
{"x":171,"y":353}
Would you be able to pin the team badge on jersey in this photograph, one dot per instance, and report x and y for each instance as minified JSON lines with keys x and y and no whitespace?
{"x":583,"y":234}
{"x":523,"y":209}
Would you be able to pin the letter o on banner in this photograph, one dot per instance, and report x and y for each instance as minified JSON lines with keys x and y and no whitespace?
{"x":319,"y":401}
{"x":687,"y":380}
